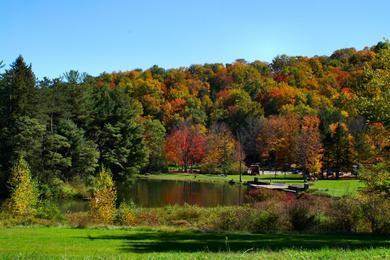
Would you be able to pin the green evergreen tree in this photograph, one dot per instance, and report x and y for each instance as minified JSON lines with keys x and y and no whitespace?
{"x":56,"y":158}
{"x":339,"y":149}
{"x":68,"y":154}
{"x":20,"y":131}
{"x":25,"y":138}
{"x":83,"y":153}
{"x":117,"y":132}
{"x":18,"y":95}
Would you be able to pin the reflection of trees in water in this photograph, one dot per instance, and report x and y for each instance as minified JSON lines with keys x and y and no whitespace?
{"x":151,"y":193}
{"x":174,"y":195}
{"x":159,"y":193}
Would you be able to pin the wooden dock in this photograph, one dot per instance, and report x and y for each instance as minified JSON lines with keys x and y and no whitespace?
{"x":277,"y":186}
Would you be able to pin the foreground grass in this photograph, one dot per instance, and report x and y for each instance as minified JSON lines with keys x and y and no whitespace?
{"x":331,"y":187}
{"x":139,"y":243}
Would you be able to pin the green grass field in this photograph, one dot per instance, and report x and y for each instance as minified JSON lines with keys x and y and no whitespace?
{"x":212,"y":178}
{"x":140,"y":243}
{"x":331,"y":187}
{"x":337,"y":187}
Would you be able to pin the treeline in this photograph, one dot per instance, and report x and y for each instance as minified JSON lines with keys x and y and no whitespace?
{"x":319,"y":114}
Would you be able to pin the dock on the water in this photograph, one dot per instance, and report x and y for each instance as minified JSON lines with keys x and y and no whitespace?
{"x":277,"y":186}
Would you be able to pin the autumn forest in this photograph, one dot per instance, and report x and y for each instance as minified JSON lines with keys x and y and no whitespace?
{"x":322,"y":114}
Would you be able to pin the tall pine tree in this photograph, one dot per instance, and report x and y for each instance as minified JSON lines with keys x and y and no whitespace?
{"x":116,"y":130}
{"x":20,"y":132}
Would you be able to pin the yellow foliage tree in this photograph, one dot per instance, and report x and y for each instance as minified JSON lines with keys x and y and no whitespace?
{"x":24,"y":195}
{"x":221,"y":150}
{"x":103,"y":199}
{"x":308,"y":150}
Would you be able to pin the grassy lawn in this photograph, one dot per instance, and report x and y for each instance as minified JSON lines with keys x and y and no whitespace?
{"x":331,"y":187}
{"x":212,"y":178}
{"x":136,"y":243}
{"x":337,"y":187}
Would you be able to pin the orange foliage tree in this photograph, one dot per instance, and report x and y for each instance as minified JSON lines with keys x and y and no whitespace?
{"x":223,"y":151}
{"x":308,"y":146}
{"x":277,"y":138}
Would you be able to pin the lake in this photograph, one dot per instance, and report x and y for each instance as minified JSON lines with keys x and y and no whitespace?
{"x":160,"y":193}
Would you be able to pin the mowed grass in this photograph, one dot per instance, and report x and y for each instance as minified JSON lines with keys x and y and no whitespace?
{"x":148,"y":243}
{"x":212,"y":178}
{"x":331,"y":187}
{"x":337,"y":187}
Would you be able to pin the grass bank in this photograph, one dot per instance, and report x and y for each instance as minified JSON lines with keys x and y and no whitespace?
{"x":337,"y":187}
{"x":331,"y":187}
{"x":169,"y":243}
{"x":212,"y":178}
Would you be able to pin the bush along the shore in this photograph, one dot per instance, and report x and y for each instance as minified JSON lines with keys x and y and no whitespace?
{"x":24,"y":194}
{"x":103,"y":199}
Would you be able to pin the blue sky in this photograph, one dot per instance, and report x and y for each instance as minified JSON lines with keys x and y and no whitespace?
{"x":94,"y":36}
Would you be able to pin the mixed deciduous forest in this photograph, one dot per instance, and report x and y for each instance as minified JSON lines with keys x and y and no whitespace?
{"x":93,"y":139}
{"x":323,"y":115}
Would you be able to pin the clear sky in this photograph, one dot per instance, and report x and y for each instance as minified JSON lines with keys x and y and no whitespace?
{"x":94,"y":36}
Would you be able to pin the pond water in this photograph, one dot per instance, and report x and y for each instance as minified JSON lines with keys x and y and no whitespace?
{"x":159,"y":193}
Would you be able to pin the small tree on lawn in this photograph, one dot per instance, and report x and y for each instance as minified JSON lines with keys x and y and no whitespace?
{"x":24,"y":195}
{"x":185,"y":145}
{"x":103,"y":199}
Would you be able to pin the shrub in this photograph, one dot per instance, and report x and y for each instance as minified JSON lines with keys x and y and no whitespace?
{"x":187,"y":212}
{"x":125,"y":214}
{"x":227,"y":220}
{"x":148,"y":217}
{"x":263,"y":221}
{"x":232,"y":218}
{"x":210,"y":168}
{"x":231,"y":169}
{"x":257,"y":195}
{"x":234,"y":168}
{"x":299,"y":215}
{"x":79,"y":219}
{"x":8,"y":220}
{"x":344,"y":215}
{"x":276,"y":208}
{"x":24,"y":194}
{"x":376,"y":208}
{"x":181,"y":222}
{"x":49,"y":210}
{"x":103,"y":199}
{"x":208,"y":219}
{"x":375,"y":178}
{"x":374,"y":198}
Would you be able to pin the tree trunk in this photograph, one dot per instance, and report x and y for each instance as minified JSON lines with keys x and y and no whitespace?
{"x":240,"y":172}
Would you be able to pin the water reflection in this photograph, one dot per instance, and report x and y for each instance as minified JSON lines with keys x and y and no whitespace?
{"x":159,"y":193}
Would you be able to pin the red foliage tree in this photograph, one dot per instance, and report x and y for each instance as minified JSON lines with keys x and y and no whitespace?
{"x":185,"y":145}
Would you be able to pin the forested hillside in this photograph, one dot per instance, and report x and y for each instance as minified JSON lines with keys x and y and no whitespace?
{"x":317,"y":114}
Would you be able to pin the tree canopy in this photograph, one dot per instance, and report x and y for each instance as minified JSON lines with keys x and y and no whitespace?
{"x":321,"y":113}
